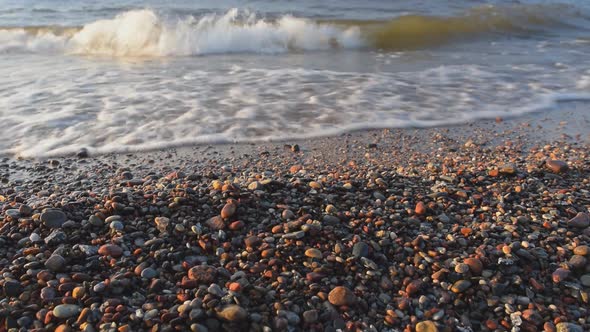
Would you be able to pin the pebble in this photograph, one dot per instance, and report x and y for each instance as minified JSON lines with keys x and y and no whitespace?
{"x":475,"y":265}
{"x":229,"y":209}
{"x":310,"y":316}
{"x":569,"y":327}
{"x":557,"y":166}
{"x":360,"y":249}
{"x":66,"y":310}
{"x":581,"y":220}
{"x":585,"y":280}
{"x":313,"y":253}
{"x":420,"y":208}
{"x":55,"y":263}
{"x":232,"y":313}
{"x":53,"y":218}
{"x":203,"y":274}
{"x":460,"y":286}
{"x":341,"y":295}
{"x":149,"y":273}
{"x":12,"y":288}
{"x":581,"y":250}
{"x":560,"y":275}
{"x":426,"y":326}
{"x":112,"y":250}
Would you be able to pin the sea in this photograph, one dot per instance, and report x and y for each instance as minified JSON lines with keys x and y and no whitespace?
{"x":120,"y":76}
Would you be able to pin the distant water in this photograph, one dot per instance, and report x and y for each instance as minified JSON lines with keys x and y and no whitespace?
{"x":117,"y":76}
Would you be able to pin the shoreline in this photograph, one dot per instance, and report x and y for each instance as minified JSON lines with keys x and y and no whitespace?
{"x":435,"y":229}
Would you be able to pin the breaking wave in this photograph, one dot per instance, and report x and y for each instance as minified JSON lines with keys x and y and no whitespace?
{"x":145,"y":33}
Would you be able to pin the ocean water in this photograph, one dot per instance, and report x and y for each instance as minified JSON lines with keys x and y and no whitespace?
{"x":118,"y":76}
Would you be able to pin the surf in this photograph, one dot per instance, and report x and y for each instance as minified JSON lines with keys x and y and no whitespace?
{"x":145,"y":33}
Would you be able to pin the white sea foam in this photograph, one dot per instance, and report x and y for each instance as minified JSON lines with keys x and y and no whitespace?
{"x":144,"y":33}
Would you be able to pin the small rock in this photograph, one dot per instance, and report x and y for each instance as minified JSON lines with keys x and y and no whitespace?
{"x":53,"y":218}
{"x":581,"y":220}
{"x":252,"y":241}
{"x":233,"y":313}
{"x":560,"y":275}
{"x":55,"y":263}
{"x":462,"y":268}
{"x":507,"y":169}
{"x":341,"y":295}
{"x":216,"y":223}
{"x":112,"y":250}
{"x":66,"y":310}
{"x":475,"y":265}
{"x":162,"y":223}
{"x":149,"y":273}
{"x":460,"y":286}
{"x":203,"y":274}
{"x":229,"y":209}
{"x":12,"y":288}
{"x":426,"y":326}
{"x":420,"y":208}
{"x":310,"y":316}
{"x":585,"y":280}
{"x":313,"y":253}
{"x":360,"y":249}
{"x":569,"y":327}
{"x":557,"y":166}
{"x":577,"y":262}
{"x":315,"y":185}
{"x":579,"y":250}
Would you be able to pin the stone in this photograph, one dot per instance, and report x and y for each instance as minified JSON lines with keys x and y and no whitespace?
{"x":462,"y":268}
{"x":55,"y":263}
{"x":341,"y":295}
{"x":229,"y":209}
{"x":12,"y":288}
{"x":55,"y":237}
{"x":426,"y":326}
{"x":315,"y":185}
{"x":203,"y":274}
{"x":581,"y":250}
{"x":560,"y":275}
{"x":313,"y":253}
{"x":310,"y":316}
{"x":460,"y":286}
{"x":232,"y":313}
{"x":557,"y":166}
{"x":162,"y":223}
{"x":216,"y":223}
{"x":53,"y":218}
{"x":507,"y":169}
{"x":360,"y":249}
{"x":66,"y":310}
{"x":532,"y":316}
{"x":585,"y":280}
{"x":252,"y":241}
{"x":577,"y":262}
{"x":420,"y":208}
{"x":569,"y":327}
{"x":581,"y":220}
{"x":78,"y":292}
{"x":112,"y":250}
{"x":475,"y":265}
{"x":149,"y":273}
{"x":414,"y":287}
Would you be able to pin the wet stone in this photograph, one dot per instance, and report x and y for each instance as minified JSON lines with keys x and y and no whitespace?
{"x":204,"y":274}
{"x":581,"y":220}
{"x":426,"y":326}
{"x":341,"y":295}
{"x":53,"y":218}
{"x":360,"y":249}
{"x":310,"y":316}
{"x":55,"y":237}
{"x":149,"y":273}
{"x":577,"y":262}
{"x":460,"y":286}
{"x":112,"y":250}
{"x":12,"y":288}
{"x":55,"y":263}
{"x":560,"y":275}
{"x":581,"y":250}
{"x":232,"y":313}
{"x":557,"y":166}
{"x":569,"y":327}
{"x":66,"y":310}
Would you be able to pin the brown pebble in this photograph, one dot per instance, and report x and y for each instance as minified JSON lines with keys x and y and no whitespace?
{"x":581,"y":250}
{"x":420,"y":208}
{"x":426,"y":326}
{"x":560,"y":275}
{"x":232,"y":313}
{"x":341,"y":295}
{"x":204,"y":274}
{"x":557,"y":166}
{"x":475,"y":265}
{"x":112,"y":250}
{"x":229,"y":209}
{"x":581,"y":220}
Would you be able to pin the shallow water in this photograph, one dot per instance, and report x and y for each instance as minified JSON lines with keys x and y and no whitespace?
{"x":130,"y":75}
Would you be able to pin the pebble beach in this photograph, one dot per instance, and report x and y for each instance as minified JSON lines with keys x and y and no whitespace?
{"x":479,"y":227}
